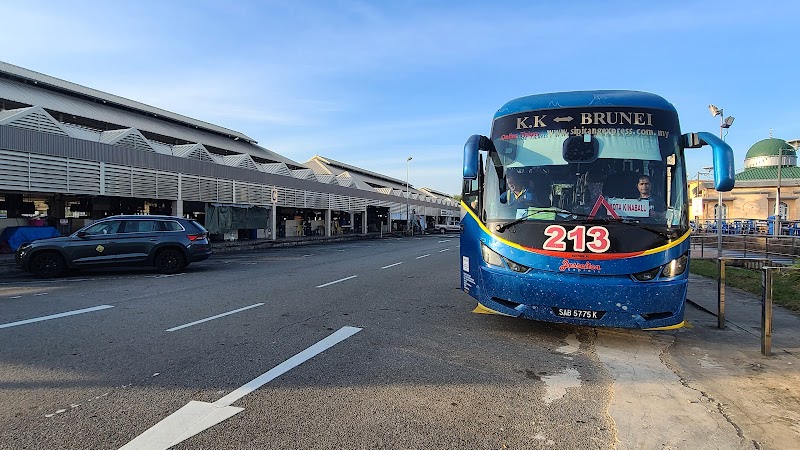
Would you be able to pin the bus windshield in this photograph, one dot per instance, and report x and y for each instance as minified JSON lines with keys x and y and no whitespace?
{"x":627,"y":173}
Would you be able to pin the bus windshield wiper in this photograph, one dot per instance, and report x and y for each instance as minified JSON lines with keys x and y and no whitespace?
{"x":638,"y":224}
{"x":530,"y":214}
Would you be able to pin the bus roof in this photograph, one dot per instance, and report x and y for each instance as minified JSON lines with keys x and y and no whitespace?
{"x":577,"y":99}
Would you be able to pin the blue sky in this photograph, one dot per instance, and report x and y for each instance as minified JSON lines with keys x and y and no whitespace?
{"x":371,"y":83}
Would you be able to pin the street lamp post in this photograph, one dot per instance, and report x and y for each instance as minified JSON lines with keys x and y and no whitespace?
{"x":777,"y":229}
{"x":723,"y":123}
{"x":408,"y":202}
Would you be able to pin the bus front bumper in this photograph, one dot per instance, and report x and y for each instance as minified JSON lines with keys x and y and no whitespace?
{"x":581,"y":299}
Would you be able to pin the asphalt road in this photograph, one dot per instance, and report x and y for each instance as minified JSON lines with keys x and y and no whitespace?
{"x":422,"y":372}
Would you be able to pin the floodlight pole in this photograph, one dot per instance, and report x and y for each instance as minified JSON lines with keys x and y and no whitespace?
{"x":408,"y":202}
{"x":719,"y":198}
{"x":722,"y":125}
{"x":777,"y":230}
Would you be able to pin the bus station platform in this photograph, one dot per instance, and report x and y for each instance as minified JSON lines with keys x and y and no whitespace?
{"x":758,"y":394}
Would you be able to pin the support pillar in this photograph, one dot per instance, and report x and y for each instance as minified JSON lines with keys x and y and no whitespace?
{"x":327,"y":222}
{"x":177,"y":208}
{"x":56,"y":207}
{"x":273,"y":226}
{"x":364,"y":222}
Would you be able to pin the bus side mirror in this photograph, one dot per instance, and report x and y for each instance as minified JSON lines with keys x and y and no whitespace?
{"x":474,"y":144}
{"x":724,"y":174}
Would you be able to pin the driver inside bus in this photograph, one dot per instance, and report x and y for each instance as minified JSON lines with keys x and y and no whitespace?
{"x":521,"y":190}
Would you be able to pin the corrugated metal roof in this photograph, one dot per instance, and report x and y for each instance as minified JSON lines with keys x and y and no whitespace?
{"x":34,"y":118}
{"x":318,"y":167}
{"x":193,"y":151}
{"x":107,"y":98}
{"x":79,"y":132}
{"x":434,"y":193}
{"x":276,"y":168}
{"x":361,"y":178}
{"x":328,"y":162}
{"x":304,"y":174}
{"x":64,"y":103}
{"x":243,"y":161}
{"x":768,"y":173}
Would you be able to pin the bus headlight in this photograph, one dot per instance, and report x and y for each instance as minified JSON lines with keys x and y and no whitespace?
{"x":675,"y":267}
{"x":490,"y":256}
{"x":647,"y":275}
{"x":515,"y":267}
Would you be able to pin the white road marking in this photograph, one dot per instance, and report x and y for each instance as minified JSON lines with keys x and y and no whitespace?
{"x":445,"y":240}
{"x":392,"y":265}
{"x":445,"y":250}
{"x":56,"y":316}
{"x":306,"y":256}
{"x":214,"y":317}
{"x":16,"y":296}
{"x":338,"y":336}
{"x":337,"y":281}
{"x":196,"y":416}
{"x":40,"y":293}
{"x":423,"y":256}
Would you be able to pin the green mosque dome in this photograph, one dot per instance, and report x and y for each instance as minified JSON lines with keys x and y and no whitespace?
{"x":770,"y":147}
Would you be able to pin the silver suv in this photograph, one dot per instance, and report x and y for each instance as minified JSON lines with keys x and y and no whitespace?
{"x":167,"y":243}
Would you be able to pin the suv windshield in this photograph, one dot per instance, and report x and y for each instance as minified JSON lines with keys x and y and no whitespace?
{"x":577,"y":173}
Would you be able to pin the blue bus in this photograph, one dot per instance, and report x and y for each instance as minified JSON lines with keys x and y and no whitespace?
{"x":576,"y":210}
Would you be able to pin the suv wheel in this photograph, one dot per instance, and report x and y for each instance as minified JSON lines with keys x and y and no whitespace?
{"x":48,"y":265}
{"x":169,"y":261}
{"x":442,"y":230}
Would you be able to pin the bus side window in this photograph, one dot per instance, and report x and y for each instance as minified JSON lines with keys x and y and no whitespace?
{"x":470,"y":193}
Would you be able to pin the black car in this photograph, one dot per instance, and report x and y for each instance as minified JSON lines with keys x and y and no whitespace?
{"x":167,"y":243}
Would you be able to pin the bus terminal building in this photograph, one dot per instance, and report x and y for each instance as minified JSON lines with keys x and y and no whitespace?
{"x":71,"y":154}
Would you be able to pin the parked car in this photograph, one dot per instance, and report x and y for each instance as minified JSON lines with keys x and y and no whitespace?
{"x":444,"y":228}
{"x":167,"y":243}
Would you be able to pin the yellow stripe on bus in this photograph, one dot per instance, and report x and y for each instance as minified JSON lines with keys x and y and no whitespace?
{"x":670,"y":327}
{"x":519,"y":247}
{"x":480,"y":309}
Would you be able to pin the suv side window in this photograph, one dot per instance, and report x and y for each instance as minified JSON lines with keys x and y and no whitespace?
{"x":107,"y":227}
{"x":199,"y":227}
{"x":140,"y":226}
{"x":169,"y":225}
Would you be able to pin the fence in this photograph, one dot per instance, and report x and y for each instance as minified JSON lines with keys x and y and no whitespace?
{"x":783,"y":249}
{"x":748,"y":226}
{"x":768,"y":272}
